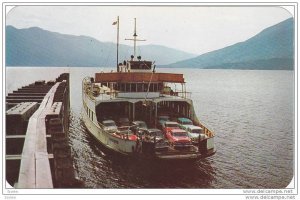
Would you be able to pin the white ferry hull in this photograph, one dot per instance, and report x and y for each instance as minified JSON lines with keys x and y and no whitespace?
{"x":125,"y":147}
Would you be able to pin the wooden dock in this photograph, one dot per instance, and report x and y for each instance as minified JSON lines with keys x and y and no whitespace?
{"x":37,"y":125}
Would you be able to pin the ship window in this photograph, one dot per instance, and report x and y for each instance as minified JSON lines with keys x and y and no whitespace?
{"x":132,"y":87}
{"x":127,"y":88}
{"x":140,"y":65}
{"x":115,"y":86}
{"x":155,"y":87}
{"x":145,"y":87}
{"x":160,"y":86}
{"x":139,"y":87}
{"x":151,"y":87}
{"x":122,"y":87}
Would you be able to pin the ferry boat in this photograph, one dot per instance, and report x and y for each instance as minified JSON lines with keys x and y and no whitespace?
{"x":115,"y":104}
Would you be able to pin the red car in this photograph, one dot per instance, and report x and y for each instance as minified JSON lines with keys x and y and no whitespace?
{"x":179,"y":138}
{"x":168,"y":126}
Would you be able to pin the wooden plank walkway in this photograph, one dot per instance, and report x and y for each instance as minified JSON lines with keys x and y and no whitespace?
{"x":35,"y":169}
{"x":19,"y":157}
{"x":20,"y":136}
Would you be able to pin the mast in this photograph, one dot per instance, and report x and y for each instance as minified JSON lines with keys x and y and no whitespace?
{"x":134,"y":39}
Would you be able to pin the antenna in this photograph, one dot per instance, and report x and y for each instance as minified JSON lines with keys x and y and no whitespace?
{"x":134,"y":39}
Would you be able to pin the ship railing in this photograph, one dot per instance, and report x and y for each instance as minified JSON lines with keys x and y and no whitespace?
{"x":104,"y":90}
{"x":114,"y":94}
{"x":207,"y":130}
{"x":185,"y":95}
{"x":110,"y":94}
{"x":122,"y":132}
{"x":101,"y":94}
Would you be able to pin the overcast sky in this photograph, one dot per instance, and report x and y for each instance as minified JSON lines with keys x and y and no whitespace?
{"x":192,"y":29}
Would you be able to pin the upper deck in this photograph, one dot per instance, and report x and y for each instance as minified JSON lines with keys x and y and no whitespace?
{"x":138,"y":77}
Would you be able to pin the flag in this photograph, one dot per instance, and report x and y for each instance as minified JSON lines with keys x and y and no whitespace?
{"x":114,"y":23}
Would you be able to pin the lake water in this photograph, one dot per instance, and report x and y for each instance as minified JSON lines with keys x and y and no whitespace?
{"x":251,"y":112}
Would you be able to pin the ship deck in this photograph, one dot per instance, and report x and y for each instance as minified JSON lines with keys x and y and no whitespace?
{"x":134,"y":97}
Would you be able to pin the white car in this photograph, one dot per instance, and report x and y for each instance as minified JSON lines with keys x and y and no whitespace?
{"x":109,"y":126}
{"x":194,"y":132}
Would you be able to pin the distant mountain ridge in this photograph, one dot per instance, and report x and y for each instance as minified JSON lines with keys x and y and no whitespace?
{"x":37,"y":47}
{"x":272,"y":48}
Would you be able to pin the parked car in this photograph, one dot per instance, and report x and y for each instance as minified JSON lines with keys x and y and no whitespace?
{"x":179,"y":138}
{"x":123,"y":121}
{"x":157,"y":137}
{"x":167,"y":126}
{"x":194,"y":132}
{"x":151,"y":134}
{"x":184,"y":121}
{"x":138,"y":126}
{"x":109,"y":126}
{"x":161,"y":120}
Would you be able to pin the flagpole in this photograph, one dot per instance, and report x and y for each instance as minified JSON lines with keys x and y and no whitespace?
{"x":118,"y":44}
